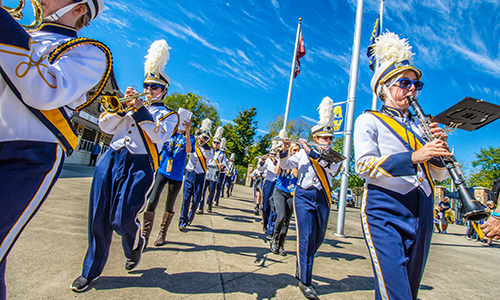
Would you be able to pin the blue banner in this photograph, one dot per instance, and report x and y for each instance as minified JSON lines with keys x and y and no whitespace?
{"x":339,"y":113}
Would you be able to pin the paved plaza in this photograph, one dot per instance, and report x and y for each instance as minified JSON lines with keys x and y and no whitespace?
{"x":223,"y":255}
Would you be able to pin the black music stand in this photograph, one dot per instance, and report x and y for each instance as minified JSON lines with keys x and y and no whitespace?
{"x":469,"y":114}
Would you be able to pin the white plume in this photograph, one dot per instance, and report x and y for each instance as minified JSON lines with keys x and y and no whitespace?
{"x":157,"y":57}
{"x":223,"y":144}
{"x":389,"y":47}
{"x":325,"y":112}
{"x":206,"y":125}
{"x":282,"y":133}
{"x":218,"y":133}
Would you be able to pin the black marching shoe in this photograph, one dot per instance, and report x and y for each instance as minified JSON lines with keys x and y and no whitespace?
{"x":182,"y":228}
{"x":135,"y":258}
{"x":209,"y":209}
{"x":199,"y":212}
{"x":273,"y":245}
{"x":308,"y":291}
{"x":281,"y":245}
{"x":81,"y":284}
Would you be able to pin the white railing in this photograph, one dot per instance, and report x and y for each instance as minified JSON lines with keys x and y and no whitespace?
{"x":86,"y":145}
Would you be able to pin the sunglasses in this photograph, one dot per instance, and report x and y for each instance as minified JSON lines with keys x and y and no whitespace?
{"x":204,"y":138}
{"x":153,"y":86}
{"x":215,"y":142}
{"x":406,"y":83}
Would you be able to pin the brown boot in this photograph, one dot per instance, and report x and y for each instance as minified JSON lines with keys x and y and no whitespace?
{"x":147,"y":225}
{"x":167,"y":219}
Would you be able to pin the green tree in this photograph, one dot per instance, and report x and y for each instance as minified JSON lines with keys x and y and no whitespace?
{"x":198,"y":105}
{"x":259,"y":148}
{"x":240,"y":135}
{"x":488,"y":162}
{"x":296,"y":128}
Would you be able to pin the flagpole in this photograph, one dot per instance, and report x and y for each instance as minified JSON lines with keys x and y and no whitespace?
{"x":353,"y":82}
{"x":285,"y":120}
{"x":381,"y":20}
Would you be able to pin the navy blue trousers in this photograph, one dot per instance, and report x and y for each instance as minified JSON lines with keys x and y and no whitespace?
{"x":212,"y":189}
{"x":220,"y":185}
{"x":193,"y":187}
{"x":312,"y":211}
{"x":204,"y":193}
{"x":267,"y":191}
{"x":117,"y":196}
{"x":398,"y":232}
{"x":28,"y":171}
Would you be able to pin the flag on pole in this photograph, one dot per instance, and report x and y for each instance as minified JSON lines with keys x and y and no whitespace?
{"x":375,"y":34}
{"x":301,"y":51}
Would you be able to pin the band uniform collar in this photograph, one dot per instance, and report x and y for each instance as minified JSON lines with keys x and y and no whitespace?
{"x":59,"y":29}
{"x":395,"y":113}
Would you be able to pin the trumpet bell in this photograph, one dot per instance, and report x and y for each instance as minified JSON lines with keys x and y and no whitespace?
{"x":17,"y":14}
{"x":111,"y":104}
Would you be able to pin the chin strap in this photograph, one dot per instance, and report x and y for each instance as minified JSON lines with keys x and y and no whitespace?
{"x":388,"y":96}
{"x":61,"y":12}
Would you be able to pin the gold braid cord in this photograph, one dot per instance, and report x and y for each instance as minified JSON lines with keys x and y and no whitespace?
{"x":54,"y":55}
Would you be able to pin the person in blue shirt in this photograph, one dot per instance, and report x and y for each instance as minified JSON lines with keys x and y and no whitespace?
{"x":283,"y":202}
{"x":94,"y":152}
{"x":171,"y":171}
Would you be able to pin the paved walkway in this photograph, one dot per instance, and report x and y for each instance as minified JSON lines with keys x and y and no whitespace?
{"x":223,"y":255}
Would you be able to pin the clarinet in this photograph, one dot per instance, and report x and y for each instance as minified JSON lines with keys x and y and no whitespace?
{"x":472,"y":209}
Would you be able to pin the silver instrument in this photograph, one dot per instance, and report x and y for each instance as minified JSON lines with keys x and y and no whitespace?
{"x":212,"y":169}
{"x":329,"y":155}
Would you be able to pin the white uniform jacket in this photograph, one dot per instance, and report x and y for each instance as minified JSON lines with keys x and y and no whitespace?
{"x":268,"y":168}
{"x":384,"y":160}
{"x":307,"y":174}
{"x":43,"y":86}
{"x":220,"y":157}
{"x":194,"y":163}
{"x":156,"y":121}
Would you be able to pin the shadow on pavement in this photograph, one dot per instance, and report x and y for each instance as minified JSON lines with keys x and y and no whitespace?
{"x":192,"y":283}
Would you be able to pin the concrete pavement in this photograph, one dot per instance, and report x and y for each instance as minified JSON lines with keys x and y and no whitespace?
{"x":223,"y":255}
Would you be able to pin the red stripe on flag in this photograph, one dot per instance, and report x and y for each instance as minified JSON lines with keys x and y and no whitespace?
{"x":301,"y":51}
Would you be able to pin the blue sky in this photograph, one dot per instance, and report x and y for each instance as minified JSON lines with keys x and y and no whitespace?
{"x":238,"y":54}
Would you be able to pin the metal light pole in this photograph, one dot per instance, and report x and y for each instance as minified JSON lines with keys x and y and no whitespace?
{"x":353,"y":82}
{"x":285,"y":120}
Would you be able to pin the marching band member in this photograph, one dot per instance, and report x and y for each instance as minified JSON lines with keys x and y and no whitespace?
{"x":312,"y":198}
{"x":266,"y":167}
{"x":171,"y":171}
{"x":219,"y":158}
{"x":231,"y":176}
{"x":222,"y":172}
{"x":399,"y":168}
{"x":257,"y":190}
{"x":124,"y":175}
{"x":194,"y":181}
{"x":41,"y":87}
{"x":283,"y":202}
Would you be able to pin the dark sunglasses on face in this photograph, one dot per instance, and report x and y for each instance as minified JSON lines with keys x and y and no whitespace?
{"x":204,"y":138}
{"x":153,"y":86}
{"x":215,"y":142}
{"x":406,"y":83}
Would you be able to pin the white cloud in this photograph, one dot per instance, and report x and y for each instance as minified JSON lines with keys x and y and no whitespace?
{"x":309,"y":119}
{"x":275,"y":3}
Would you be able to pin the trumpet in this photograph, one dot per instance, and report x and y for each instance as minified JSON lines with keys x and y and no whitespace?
{"x":113,"y":104}
{"x":297,"y":142}
{"x":17,"y":14}
{"x":328,"y":154}
{"x":472,"y":209}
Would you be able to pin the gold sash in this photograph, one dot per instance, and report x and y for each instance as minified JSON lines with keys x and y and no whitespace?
{"x":201,"y":158}
{"x":406,"y":136}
